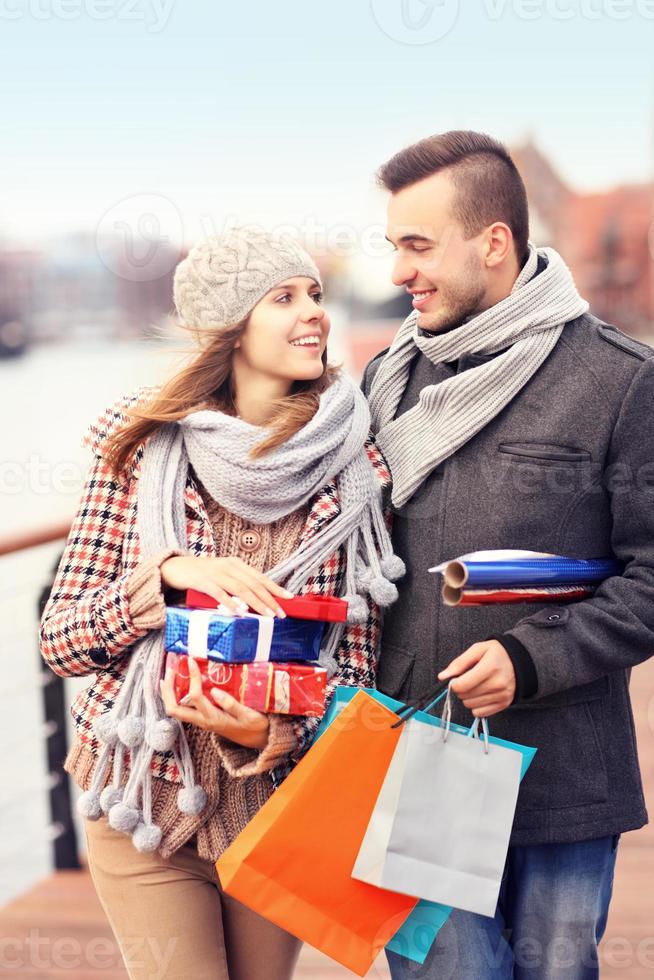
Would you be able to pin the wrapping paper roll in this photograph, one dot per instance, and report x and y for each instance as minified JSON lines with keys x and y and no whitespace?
{"x":504,"y":569}
{"x":488,"y":597}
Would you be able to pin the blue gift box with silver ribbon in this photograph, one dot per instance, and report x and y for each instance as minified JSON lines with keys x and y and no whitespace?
{"x":210,"y":634}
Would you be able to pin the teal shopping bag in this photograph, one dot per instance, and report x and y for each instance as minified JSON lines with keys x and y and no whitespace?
{"x":417,"y":935}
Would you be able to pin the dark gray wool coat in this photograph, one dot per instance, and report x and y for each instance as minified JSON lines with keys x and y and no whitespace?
{"x":567,"y":467}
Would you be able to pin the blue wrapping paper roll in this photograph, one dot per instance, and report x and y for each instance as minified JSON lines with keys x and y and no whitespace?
{"x":552,"y":571}
{"x":484,"y":570}
{"x":240,"y":639}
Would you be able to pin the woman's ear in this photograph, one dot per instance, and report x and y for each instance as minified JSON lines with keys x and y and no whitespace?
{"x":243,"y":327}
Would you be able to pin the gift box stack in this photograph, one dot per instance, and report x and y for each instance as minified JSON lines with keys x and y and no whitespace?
{"x":267,"y":663}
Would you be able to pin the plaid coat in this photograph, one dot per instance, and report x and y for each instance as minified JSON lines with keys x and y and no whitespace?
{"x":86,"y":626}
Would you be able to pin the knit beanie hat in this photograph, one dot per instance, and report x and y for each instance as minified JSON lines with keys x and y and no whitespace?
{"x":222,"y":279}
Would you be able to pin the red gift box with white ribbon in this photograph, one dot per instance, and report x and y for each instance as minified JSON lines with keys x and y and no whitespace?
{"x":327,"y":608}
{"x":288,"y":689}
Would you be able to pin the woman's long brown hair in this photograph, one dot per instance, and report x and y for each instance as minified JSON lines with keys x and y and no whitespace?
{"x":207,"y":383}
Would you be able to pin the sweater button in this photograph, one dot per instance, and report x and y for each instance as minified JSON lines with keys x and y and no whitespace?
{"x":249,"y":540}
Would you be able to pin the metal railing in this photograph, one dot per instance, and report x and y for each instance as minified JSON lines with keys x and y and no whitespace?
{"x":61,"y":829}
{"x":13,"y":543}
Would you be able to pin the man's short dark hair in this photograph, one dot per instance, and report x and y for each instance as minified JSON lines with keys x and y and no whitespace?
{"x":488,"y":185}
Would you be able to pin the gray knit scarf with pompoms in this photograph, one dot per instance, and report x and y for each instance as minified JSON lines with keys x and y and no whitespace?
{"x":330,"y":447}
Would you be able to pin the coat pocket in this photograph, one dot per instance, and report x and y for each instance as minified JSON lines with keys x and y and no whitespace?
{"x":394,"y":671}
{"x":592,"y":691}
{"x":545,"y":452}
{"x":569,"y":769}
{"x":527,"y":490}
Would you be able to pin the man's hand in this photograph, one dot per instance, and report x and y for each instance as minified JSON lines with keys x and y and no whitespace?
{"x":485,"y":678}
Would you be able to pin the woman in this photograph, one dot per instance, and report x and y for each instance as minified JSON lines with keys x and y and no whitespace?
{"x":248,"y":476}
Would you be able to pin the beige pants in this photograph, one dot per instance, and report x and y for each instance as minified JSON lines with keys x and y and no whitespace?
{"x":172,"y":920}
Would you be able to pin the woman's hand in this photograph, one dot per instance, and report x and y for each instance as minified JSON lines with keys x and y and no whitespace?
{"x":227,"y":580}
{"x":232,"y":720}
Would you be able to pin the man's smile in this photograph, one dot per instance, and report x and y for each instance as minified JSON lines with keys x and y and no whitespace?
{"x":420,"y":299}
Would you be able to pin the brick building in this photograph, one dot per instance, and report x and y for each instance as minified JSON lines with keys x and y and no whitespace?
{"x":606,"y":238}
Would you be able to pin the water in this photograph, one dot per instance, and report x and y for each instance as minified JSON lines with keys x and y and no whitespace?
{"x":48,"y":399}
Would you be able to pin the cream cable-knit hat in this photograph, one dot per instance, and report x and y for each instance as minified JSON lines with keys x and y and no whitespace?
{"x":223,"y":278}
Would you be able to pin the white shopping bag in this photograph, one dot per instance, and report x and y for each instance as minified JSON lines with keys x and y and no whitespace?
{"x":370,"y":861}
{"x":453,"y":812}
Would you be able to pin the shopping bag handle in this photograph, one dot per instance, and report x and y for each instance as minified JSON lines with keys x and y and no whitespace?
{"x":473,"y":731}
{"x":427,"y":701}
{"x":424,"y":703}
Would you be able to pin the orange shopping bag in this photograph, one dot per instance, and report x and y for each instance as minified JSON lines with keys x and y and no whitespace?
{"x":293,"y":862}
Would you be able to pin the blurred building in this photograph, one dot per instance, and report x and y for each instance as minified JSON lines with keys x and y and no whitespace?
{"x":73,"y":292}
{"x":78,"y":289}
{"x":144,"y":294}
{"x":606,"y":238}
{"x":17,"y":280}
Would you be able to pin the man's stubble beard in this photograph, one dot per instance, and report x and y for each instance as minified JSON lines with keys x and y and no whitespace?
{"x":459,"y":300}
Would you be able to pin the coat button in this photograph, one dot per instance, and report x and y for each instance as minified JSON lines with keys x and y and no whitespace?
{"x":249,"y":539}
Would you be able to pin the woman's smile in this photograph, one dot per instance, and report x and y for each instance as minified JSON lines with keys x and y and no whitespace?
{"x":310,"y":342}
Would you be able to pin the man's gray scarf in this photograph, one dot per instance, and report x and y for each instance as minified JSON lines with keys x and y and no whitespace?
{"x":330,"y":447}
{"x":529,"y":322}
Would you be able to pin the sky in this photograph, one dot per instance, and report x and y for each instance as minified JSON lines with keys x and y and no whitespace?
{"x":194,"y":114}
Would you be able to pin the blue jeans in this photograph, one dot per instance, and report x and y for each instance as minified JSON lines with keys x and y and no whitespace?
{"x":551,"y":914}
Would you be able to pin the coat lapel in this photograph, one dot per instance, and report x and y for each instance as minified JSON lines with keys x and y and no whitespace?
{"x":378,"y":463}
{"x":200,"y":535}
{"x":326,"y":504}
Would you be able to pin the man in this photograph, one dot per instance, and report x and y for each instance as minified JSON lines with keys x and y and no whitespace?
{"x":512,"y":418}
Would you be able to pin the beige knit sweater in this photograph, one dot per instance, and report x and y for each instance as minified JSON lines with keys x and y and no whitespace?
{"x":236,"y":779}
